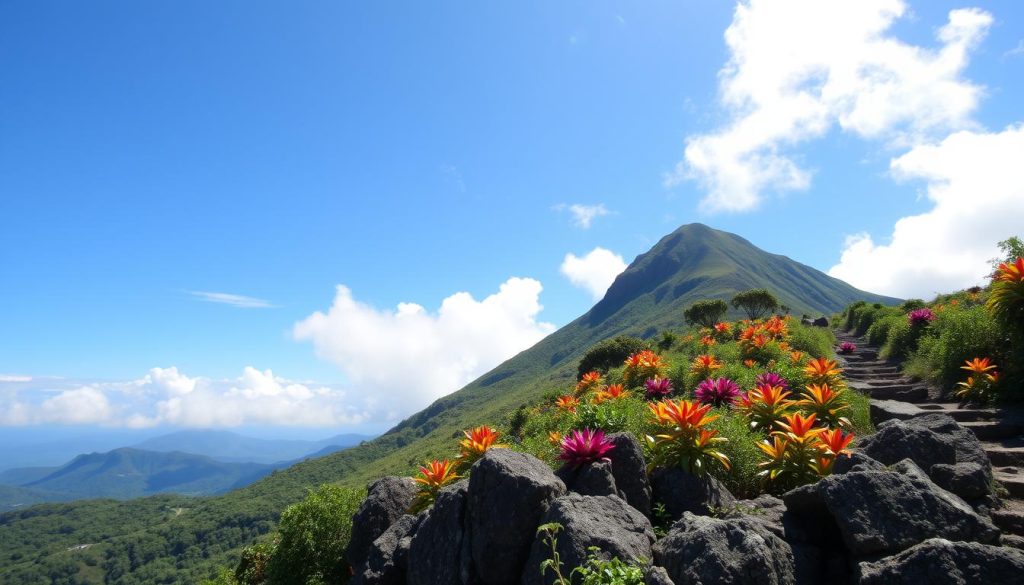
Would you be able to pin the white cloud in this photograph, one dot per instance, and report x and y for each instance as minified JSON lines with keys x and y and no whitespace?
{"x":801,"y":67}
{"x":1016,"y":51}
{"x":239,"y":301}
{"x":404,"y":358}
{"x":976,"y":182}
{"x":593,"y":272}
{"x":14,"y":378}
{"x":583,"y":216}
{"x":167,"y":397}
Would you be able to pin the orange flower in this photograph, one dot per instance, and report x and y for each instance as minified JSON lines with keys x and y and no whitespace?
{"x":477,"y":441}
{"x":749,"y":363}
{"x":707,"y":340}
{"x":836,"y":441}
{"x":784,"y":346}
{"x":611,"y":392}
{"x":588,"y":382}
{"x":683,"y":413}
{"x":436,"y":473}
{"x":644,"y":359}
{"x":723,"y":328}
{"x":1011,"y":272}
{"x":705,"y":364}
{"x":822,"y":369}
{"x":567,"y":402}
{"x":796,"y":356}
{"x":555,"y":438}
{"x":978,"y":365}
{"x":799,"y":428}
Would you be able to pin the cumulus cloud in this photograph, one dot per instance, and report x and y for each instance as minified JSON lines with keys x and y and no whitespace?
{"x":165,"y":396}
{"x":975,"y":181}
{"x":583,"y":216}
{"x":402,"y":359}
{"x":800,"y":68}
{"x":240,"y":301}
{"x":593,"y":272}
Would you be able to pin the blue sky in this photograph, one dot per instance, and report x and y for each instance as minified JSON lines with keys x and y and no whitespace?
{"x":409,"y":152}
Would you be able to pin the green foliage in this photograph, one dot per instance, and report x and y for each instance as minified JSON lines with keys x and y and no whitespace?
{"x":611,"y":416}
{"x":878,"y":332}
{"x":959,"y":334}
{"x":1010,"y":249}
{"x":554,"y":562}
{"x":614,"y":571}
{"x":756,"y":303}
{"x":814,"y":341}
{"x":912,"y":305}
{"x":224,"y":577}
{"x":668,"y":339}
{"x":705,"y":313}
{"x":609,"y":354}
{"x":313,"y":535}
{"x":252,"y":567}
{"x":902,"y":340}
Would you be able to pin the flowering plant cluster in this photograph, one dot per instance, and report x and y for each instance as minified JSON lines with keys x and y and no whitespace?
{"x":981,"y":383}
{"x":799,"y":451}
{"x":920,"y":317}
{"x":438,"y":473}
{"x":584,"y":446}
{"x":847,"y":348}
{"x":641,"y":366}
{"x":684,"y":439}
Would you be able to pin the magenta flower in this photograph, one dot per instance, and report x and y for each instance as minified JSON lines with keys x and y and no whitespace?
{"x":921,"y":317}
{"x":847,"y":347}
{"x":771,"y":379}
{"x":586,"y":446}
{"x":657,"y":387}
{"x":717,"y":391}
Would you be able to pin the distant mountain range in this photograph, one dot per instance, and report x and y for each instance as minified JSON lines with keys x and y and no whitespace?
{"x":188,"y":463}
{"x":693,"y":263}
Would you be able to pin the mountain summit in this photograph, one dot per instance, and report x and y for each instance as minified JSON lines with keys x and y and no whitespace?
{"x":695,"y":262}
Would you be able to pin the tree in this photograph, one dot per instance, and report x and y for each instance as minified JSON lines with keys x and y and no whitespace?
{"x":756,"y":302}
{"x":706,"y":313}
{"x":609,"y":353}
{"x":313,"y":536}
{"x":1011,"y":248}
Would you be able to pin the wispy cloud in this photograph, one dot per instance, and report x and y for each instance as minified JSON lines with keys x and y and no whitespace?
{"x":583,"y":215}
{"x":1016,"y":51}
{"x":13,"y":378}
{"x":240,"y":301}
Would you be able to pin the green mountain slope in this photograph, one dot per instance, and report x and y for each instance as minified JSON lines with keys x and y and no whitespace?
{"x":232,"y":447}
{"x":694,"y":262}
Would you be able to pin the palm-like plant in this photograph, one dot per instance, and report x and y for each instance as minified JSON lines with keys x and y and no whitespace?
{"x":684,"y":440}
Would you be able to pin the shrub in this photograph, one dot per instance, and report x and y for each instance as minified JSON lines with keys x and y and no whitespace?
{"x":685,"y":440}
{"x":811,"y":340}
{"x":756,"y":303}
{"x":903,"y":340}
{"x":959,"y":334}
{"x":313,"y":537}
{"x":609,"y":354}
{"x":912,"y":305}
{"x":642,"y":366}
{"x":252,"y":567}
{"x":878,"y":333}
{"x":705,"y":313}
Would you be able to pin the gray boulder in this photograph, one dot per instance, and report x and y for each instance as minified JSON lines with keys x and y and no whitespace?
{"x":700,"y":549}
{"x":436,"y":553}
{"x":630,"y":471}
{"x":968,"y":449}
{"x":656,"y":576}
{"x":606,"y":522}
{"x":941,"y":561}
{"x":856,"y":461}
{"x":880,"y":512}
{"x":387,"y":500}
{"x":591,"y":479}
{"x":509,"y":493}
{"x":967,"y":480}
{"x":387,"y":559}
{"x":821,"y":322}
{"x":897,"y":440}
{"x":680,"y":491}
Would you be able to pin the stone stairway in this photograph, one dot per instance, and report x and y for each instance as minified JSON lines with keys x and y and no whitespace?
{"x":895,"y":396}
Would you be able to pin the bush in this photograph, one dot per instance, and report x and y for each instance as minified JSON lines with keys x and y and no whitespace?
{"x":814,"y":341}
{"x":705,"y":313}
{"x":756,"y":303}
{"x":959,"y":335}
{"x":879,"y":331}
{"x":313,"y":537}
{"x":609,"y":354}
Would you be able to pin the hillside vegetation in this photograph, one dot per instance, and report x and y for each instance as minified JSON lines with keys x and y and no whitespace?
{"x":165,"y":545}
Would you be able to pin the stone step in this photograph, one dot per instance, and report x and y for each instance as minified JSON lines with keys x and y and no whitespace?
{"x":883,"y":410}
{"x":1005,"y":453}
{"x":960,"y":414}
{"x":904,"y":392}
{"x":1012,"y":479}
{"x":1009,"y":519}
{"x":992,"y":430}
{"x":873,"y":369}
{"x":898,"y":381}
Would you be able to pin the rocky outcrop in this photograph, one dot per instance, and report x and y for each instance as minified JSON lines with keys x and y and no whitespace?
{"x":437,"y":554}
{"x":592,"y":479}
{"x":967,"y":480}
{"x":386,"y":561}
{"x":897,"y":440}
{"x":700,"y":549}
{"x":387,"y":500}
{"x":606,"y":522}
{"x":680,"y":491}
{"x":630,"y":471}
{"x":941,"y":561}
{"x":508,"y":495}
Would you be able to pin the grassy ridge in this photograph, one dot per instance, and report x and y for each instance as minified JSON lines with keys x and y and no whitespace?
{"x":694,"y":262}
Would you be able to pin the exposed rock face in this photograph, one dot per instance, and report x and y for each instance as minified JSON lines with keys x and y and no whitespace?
{"x":967,"y":480}
{"x":897,"y":440}
{"x":941,"y":561}
{"x":968,"y":448}
{"x":630,"y":471}
{"x":821,"y":322}
{"x":700,"y":549}
{"x":436,"y":553}
{"x":682,"y":492}
{"x":387,"y":559}
{"x":882,"y":512}
{"x":606,"y":522}
{"x":856,"y":461}
{"x":591,"y":479}
{"x":656,"y":576}
{"x":387,"y":500}
{"x":508,"y":495}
